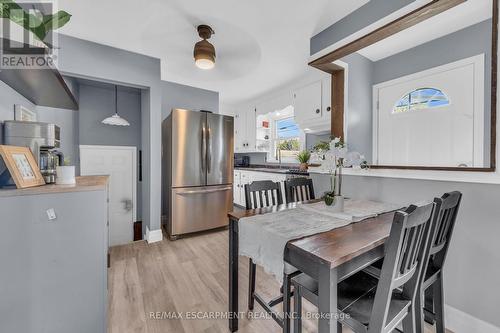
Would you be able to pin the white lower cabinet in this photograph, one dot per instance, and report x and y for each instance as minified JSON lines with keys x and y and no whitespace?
{"x":242,"y":177}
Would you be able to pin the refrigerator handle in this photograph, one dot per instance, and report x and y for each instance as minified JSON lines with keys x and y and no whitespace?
{"x":209,"y":149}
{"x":203,"y":148}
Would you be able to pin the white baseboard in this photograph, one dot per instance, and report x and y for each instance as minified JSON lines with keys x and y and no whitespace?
{"x":153,"y":236}
{"x":460,"y":322}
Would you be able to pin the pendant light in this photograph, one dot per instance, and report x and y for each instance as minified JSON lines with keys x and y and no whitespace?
{"x":204,"y":51}
{"x":116,"y":120}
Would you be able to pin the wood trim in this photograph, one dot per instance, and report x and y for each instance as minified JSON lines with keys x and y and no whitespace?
{"x":137,"y":231}
{"x":338,"y":95}
{"x":421,"y":14}
{"x":325,"y":63}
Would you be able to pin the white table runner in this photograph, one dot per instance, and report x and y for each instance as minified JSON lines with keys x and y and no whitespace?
{"x":263,"y":237}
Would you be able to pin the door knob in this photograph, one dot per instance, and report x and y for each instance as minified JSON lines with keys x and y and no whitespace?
{"x":127,"y":203}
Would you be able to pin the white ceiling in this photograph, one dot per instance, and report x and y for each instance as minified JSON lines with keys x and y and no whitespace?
{"x":260,"y":44}
{"x":455,"y":19}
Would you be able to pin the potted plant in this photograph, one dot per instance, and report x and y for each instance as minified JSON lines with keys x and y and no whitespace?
{"x":303,"y":158}
{"x":336,"y":158}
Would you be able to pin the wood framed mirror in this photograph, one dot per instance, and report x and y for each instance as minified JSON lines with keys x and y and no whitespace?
{"x":422,"y":89}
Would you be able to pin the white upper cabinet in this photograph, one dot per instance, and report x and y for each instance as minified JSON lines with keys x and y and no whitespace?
{"x":307,"y":103}
{"x":326,"y":97}
{"x":244,"y":130}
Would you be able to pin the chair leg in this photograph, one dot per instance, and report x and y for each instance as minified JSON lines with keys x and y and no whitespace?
{"x":429,"y":304}
{"x":439,"y":304}
{"x":287,"y":290}
{"x":297,"y":309}
{"x":419,"y":312}
{"x":409,"y":321}
{"x":251,"y":284}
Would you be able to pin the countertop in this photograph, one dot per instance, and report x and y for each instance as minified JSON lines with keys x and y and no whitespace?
{"x":83,"y":184}
{"x":284,"y":169}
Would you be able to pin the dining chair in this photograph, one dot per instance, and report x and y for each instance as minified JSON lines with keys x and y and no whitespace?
{"x":369,"y":304}
{"x":259,"y":194}
{"x":431,"y":289}
{"x":299,"y":189}
{"x":432,"y":285}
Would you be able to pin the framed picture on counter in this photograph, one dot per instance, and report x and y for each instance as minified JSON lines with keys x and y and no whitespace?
{"x":22,"y":166}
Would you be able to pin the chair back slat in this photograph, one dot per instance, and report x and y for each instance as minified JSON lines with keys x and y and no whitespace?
{"x":263,"y":193}
{"x":407,"y":249}
{"x":299,"y":189}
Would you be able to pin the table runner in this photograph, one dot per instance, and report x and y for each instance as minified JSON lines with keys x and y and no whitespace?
{"x":263,"y":237}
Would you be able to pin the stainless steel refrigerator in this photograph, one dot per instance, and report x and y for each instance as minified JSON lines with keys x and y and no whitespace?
{"x":197,"y":171}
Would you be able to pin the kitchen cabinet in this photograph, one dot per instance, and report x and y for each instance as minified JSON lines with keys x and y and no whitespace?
{"x":242,"y":177}
{"x":312,"y":106}
{"x":244,"y":130}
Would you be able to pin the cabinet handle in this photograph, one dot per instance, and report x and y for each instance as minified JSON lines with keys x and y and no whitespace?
{"x":318,"y":111}
{"x":328,"y":109}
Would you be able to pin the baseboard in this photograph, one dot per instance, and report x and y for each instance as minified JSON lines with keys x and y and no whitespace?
{"x":460,"y":322}
{"x":153,"y":236}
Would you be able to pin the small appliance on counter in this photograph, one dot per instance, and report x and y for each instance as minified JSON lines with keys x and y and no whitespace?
{"x":242,"y":161}
{"x":42,"y":139}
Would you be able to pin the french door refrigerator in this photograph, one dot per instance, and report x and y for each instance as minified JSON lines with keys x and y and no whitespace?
{"x":197,"y":171}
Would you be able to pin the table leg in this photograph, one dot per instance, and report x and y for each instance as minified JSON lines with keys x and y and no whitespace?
{"x":327,"y":300}
{"x":233,"y":275}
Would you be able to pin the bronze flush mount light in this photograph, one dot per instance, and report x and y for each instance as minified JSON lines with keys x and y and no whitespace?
{"x":204,"y":51}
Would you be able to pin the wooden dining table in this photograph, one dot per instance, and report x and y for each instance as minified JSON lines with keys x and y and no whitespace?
{"x":328,"y":257}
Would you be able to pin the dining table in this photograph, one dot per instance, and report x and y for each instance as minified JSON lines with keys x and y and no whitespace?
{"x":328,"y":257}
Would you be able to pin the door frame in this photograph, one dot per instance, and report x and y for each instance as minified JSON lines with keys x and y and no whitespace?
{"x":478,"y":117}
{"x":132,"y":149}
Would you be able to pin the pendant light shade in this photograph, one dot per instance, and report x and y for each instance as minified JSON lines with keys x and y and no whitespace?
{"x":116,"y":120}
{"x":204,"y":51}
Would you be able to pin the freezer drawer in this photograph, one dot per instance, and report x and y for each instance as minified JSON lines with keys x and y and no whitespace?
{"x":199,"y":208}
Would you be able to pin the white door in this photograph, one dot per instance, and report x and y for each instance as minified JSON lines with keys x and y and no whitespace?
{"x":432,"y":118}
{"x":120,"y":164}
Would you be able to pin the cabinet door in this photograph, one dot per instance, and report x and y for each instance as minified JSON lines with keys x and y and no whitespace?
{"x":251,"y":132}
{"x":326,"y":97}
{"x":239,"y":131}
{"x":307,"y":102}
{"x":236,"y":188}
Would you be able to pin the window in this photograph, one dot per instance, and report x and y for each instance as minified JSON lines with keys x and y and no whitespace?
{"x":287,"y":139}
{"x":423,"y":98}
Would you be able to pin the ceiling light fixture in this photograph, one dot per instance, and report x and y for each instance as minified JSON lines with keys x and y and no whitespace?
{"x":116,"y":120}
{"x":204,"y":51}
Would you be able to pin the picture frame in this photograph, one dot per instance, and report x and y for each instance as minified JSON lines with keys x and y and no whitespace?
{"x":22,"y":166}
{"x":22,"y":113}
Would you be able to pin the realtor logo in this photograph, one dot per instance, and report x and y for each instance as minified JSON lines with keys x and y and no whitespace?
{"x":27,"y":34}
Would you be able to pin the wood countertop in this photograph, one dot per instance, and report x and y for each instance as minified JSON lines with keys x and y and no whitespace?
{"x":83,"y":184}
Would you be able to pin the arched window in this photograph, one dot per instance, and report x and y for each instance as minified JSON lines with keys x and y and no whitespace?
{"x":422,"y":98}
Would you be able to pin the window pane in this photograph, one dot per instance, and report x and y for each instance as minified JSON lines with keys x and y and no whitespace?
{"x":423,"y":98}
{"x":287,"y":128}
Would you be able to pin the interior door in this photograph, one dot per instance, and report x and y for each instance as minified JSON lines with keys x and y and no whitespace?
{"x":436,"y":127}
{"x":188,"y":148}
{"x":220,"y":143}
{"x":120,"y":164}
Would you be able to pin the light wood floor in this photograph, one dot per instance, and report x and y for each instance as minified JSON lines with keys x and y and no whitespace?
{"x":184,"y":276}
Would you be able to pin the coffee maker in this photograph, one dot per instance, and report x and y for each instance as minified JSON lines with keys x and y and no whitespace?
{"x":42,"y":139}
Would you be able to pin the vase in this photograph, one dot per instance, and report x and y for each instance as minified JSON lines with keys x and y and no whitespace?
{"x":335,"y":202}
{"x":65,"y":175}
{"x":303,"y":166}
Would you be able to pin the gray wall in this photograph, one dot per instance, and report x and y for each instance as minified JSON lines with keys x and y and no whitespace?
{"x":97,"y":101}
{"x":359,"y":105}
{"x":9,"y":97}
{"x":471,"y":270}
{"x":371,"y":12}
{"x":81,"y":58}
{"x":179,"y":96}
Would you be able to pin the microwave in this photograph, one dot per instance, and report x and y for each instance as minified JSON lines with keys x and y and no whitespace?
{"x":242,"y":161}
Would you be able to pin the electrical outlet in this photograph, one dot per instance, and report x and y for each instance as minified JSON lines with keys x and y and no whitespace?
{"x":51,"y":214}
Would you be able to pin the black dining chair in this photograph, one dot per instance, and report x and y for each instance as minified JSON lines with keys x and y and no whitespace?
{"x":369,"y":304}
{"x":299,"y":189}
{"x":259,"y":194}
{"x":432,"y":285}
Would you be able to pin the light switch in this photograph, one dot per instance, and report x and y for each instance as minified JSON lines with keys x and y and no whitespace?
{"x":51,"y":214}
